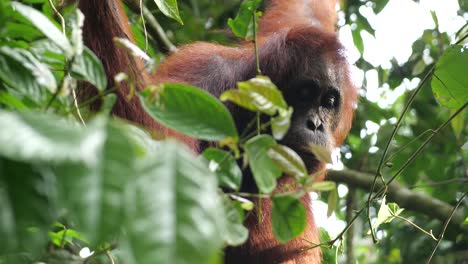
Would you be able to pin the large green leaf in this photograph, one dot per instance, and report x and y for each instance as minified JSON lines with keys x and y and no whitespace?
{"x":236,"y":233}
{"x":225,"y":166}
{"x":450,"y":81}
{"x":11,"y":102}
{"x":26,"y":206}
{"x":42,"y":23}
{"x":95,"y":193}
{"x":170,"y":9}
{"x":288,"y":160}
{"x":240,"y":98}
{"x":5,"y":13}
{"x":17,"y":30}
{"x":242,"y":25}
{"x":93,"y":165}
{"x":266,"y":96}
{"x":34,"y":137}
{"x":288,"y":217}
{"x":89,"y":68}
{"x":189,"y":110}
{"x":173,"y":210}
{"x":23,"y":72}
{"x":264,"y":169}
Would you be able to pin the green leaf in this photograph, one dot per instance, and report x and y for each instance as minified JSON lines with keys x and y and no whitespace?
{"x":450,"y":81}
{"x":288,"y":218}
{"x":236,"y":233}
{"x":224,"y":165}
{"x":169,"y":8}
{"x":264,"y":169}
{"x":323,"y":186}
{"x":321,"y":153}
{"x":463,"y":4}
{"x":259,"y":94}
{"x":34,"y":137}
{"x":23,"y":72}
{"x":5,"y":14}
{"x":22,"y":31}
{"x":173,"y":210}
{"x":189,"y":110}
{"x":357,"y":39}
{"x":88,"y":67}
{"x":458,"y":123}
{"x":240,"y":98}
{"x":281,"y":123}
{"x":44,"y":25}
{"x":66,"y":236}
{"x":108,"y":103}
{"x":27,"y":210}
{"x":379,"y":5}
{"x":332,"y":202}
{"x":11,"y":102}
{"x":242,"y":25}
{"x":395,"y":209}
{"x":419,"y":67}
{"x":96,"y":192}
{"x":266,"y":96}
{"x":387,"y":213}
{"x":288,"y":160}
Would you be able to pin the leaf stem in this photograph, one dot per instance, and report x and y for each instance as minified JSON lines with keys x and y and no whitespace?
{"x":416,"y":226}
{"x":257,"y":59}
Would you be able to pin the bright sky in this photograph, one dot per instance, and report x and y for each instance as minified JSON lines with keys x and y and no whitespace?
{"x":396,"y":28}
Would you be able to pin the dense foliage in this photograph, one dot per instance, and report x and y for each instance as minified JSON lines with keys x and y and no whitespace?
{"x":72,"y":180}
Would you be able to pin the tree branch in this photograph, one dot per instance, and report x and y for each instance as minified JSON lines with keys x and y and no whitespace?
{"x":404,"y":197}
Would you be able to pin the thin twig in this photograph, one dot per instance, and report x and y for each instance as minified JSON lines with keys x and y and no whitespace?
{"x":59,"y":89}
{"x":400,"y":149}
{"x":419,"y":150}
{"x":75,"y":100}
{"x":108,"y":254}
{"x":75,"y":103}
{"x":249,"y":126}
{"x":350,"y":207}
{"x":440,"y":183}
{"x":57,"y":13}
{"x":144,"y":26}
{"x":416,"y":226}
{"x":461,"y":29}
{"x":253,"y":133}
{"x":462,"y":39}
{"x":387,"y":146}
{"x":441,"y":236}
{"x":152,"y":23}
{"x":258,"y":123}
{"x":96,"y":97}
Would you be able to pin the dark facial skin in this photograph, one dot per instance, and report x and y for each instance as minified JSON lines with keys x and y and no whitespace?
{"x":317,"y":105}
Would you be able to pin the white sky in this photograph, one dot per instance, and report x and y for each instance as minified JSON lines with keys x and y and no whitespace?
{"x":396,"y":28}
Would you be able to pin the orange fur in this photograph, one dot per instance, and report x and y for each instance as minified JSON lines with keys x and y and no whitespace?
{"x":295,"y":37}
